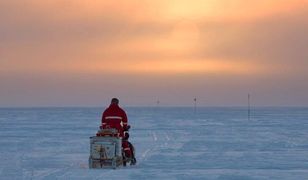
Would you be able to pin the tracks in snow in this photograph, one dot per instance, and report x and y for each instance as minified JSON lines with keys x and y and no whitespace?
{"x":157,"y":141}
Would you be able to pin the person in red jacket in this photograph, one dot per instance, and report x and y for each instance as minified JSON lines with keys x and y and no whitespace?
{"x":115,"y":117}
{"x":128,"y":150}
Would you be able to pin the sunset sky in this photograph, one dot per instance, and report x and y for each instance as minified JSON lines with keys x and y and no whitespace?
{"x":83,"y":53}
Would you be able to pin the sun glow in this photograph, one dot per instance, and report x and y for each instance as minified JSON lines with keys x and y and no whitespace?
{"x":171,"y":67}
{"x":158,"y":37}
{"x":226,"y":9}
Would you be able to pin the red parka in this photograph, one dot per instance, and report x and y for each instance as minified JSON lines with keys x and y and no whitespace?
{"x":127,"y":150}
{"x":114,"y":117}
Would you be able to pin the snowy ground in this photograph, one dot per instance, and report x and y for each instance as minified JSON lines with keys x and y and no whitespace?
{"x":171,"y":143}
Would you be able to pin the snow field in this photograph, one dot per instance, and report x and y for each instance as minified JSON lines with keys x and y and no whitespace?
{"x":171,"y":143}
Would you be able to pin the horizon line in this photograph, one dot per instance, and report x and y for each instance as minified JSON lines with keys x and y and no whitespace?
{"x":162,"y":106}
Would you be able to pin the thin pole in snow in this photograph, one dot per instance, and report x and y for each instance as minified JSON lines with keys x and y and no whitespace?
{"x":248,"y":106}
{"x":195,"y":105}
{"x":157,"y":103}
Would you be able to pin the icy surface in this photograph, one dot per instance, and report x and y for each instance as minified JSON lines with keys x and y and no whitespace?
{"x":171,"y":143}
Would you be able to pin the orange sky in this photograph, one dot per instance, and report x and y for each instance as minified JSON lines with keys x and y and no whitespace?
{"x":245,"y":46}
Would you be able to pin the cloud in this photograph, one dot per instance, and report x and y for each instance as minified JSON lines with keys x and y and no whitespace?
{"x":278,"y":41}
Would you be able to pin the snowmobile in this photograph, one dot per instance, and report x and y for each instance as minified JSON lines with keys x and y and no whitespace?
{"x":107,"y":151}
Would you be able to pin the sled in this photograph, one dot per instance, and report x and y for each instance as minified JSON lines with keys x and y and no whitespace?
{"x":106,"y":150}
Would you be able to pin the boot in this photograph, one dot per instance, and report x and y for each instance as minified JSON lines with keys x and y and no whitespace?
{"x":133,"y":161}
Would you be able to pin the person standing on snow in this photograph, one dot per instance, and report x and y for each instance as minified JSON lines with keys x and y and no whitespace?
{"x":115,"y":117}
{"x":129,"y":150}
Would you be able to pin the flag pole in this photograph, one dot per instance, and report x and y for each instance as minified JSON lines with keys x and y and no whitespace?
{"x":248,"y":106}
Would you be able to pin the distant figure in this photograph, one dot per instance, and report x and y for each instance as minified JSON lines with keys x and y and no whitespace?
{"x":115,"y":117}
